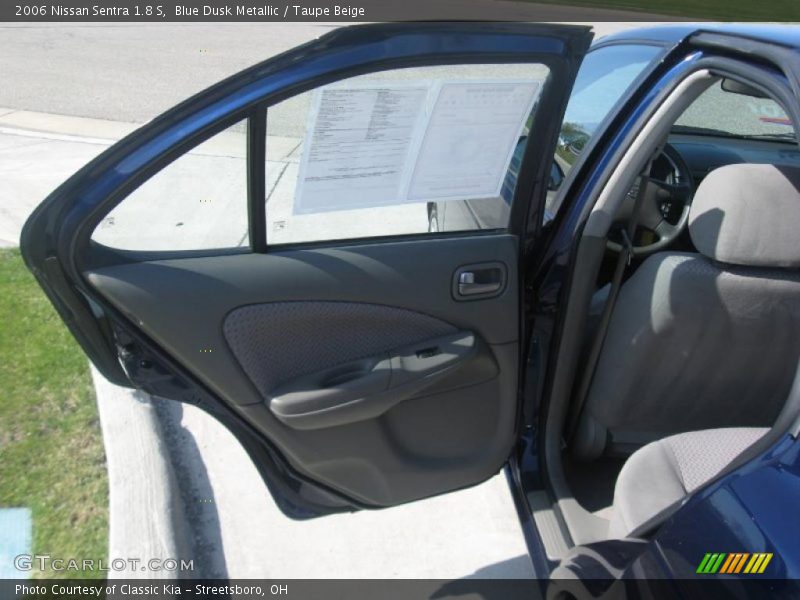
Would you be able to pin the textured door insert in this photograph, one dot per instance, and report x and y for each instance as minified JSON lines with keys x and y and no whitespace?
{"x":278,"y":341}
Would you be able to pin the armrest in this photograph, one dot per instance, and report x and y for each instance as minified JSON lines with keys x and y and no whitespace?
{"x":366,"y":388}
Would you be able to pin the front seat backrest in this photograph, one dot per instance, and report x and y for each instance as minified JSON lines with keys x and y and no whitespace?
{"x":709,"y":340}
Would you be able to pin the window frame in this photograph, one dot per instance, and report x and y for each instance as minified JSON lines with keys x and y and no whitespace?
{"x":260,"y":239}
{"x":91,"y":254}
{"x":663,"y":49}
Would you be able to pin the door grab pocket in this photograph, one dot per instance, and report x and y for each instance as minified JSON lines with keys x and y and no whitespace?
{"x":366,"y":388}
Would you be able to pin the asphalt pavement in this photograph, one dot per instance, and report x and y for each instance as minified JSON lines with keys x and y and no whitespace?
{"x":130,"y":72}
{"x":134,"y":72}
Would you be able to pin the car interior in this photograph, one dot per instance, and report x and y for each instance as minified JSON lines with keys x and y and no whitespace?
{"x":690,"y":316}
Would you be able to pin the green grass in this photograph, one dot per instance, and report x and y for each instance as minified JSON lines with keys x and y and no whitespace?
{"x":51,"y":447}
{"x":717,"y":10}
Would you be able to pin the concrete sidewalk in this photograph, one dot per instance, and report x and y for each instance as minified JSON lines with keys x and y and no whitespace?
{"x":32,"y":164}
{"x":470,"y":533}
{"x":181,"y":484}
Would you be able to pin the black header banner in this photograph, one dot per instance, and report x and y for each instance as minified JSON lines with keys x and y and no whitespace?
{"x":307,"y":10}
{"x":387,"y":10}
{"x":390,"y":589}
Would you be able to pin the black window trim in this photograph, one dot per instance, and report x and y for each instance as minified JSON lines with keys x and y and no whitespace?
{"x":256,"y":179}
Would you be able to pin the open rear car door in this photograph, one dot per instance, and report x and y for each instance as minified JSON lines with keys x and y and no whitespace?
{"x":359,"y":370}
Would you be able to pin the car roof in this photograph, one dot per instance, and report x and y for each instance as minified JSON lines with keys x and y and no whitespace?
{"x":785,"y":35}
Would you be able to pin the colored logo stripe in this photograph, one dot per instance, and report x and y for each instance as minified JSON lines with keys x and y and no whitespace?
{"x":732,"y":558}
{"x":758,"y":563}
{"x":734,"y":562}
{"x":711,"y":562}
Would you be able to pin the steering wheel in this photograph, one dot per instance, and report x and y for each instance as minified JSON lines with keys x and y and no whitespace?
{"x":669,"y":187}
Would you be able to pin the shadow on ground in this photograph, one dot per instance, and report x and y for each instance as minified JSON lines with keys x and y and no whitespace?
{"x":196,"y":492}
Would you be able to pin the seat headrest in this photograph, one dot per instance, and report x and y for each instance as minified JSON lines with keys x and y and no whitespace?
{"x":748,"y":214}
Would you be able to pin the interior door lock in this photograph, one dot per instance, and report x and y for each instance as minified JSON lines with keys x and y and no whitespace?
{"x":479,"y":281}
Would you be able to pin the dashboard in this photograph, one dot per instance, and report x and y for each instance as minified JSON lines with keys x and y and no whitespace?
{"x":704,"y":153}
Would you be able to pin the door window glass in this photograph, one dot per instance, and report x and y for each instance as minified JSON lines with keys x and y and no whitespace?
{"x":197,"y":202}
{"x":724,"y":112}
{"x":604,"y":77}
{"x":405,"y":151}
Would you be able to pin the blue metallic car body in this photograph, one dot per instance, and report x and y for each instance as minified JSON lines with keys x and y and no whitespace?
{"x":753,"y":509}
{"x":774,"y":34}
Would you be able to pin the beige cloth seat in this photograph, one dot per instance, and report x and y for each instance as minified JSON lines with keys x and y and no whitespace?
{"x":706,"y":340}
{"x":664,"y":472}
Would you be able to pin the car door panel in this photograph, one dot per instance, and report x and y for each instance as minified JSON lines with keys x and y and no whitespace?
{"x":362,"y":374}
{"x":280,"y":316}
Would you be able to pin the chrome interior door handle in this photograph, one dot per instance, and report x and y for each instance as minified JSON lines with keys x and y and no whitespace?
{"x":468,"y":286}
{"x":479,"y":281}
